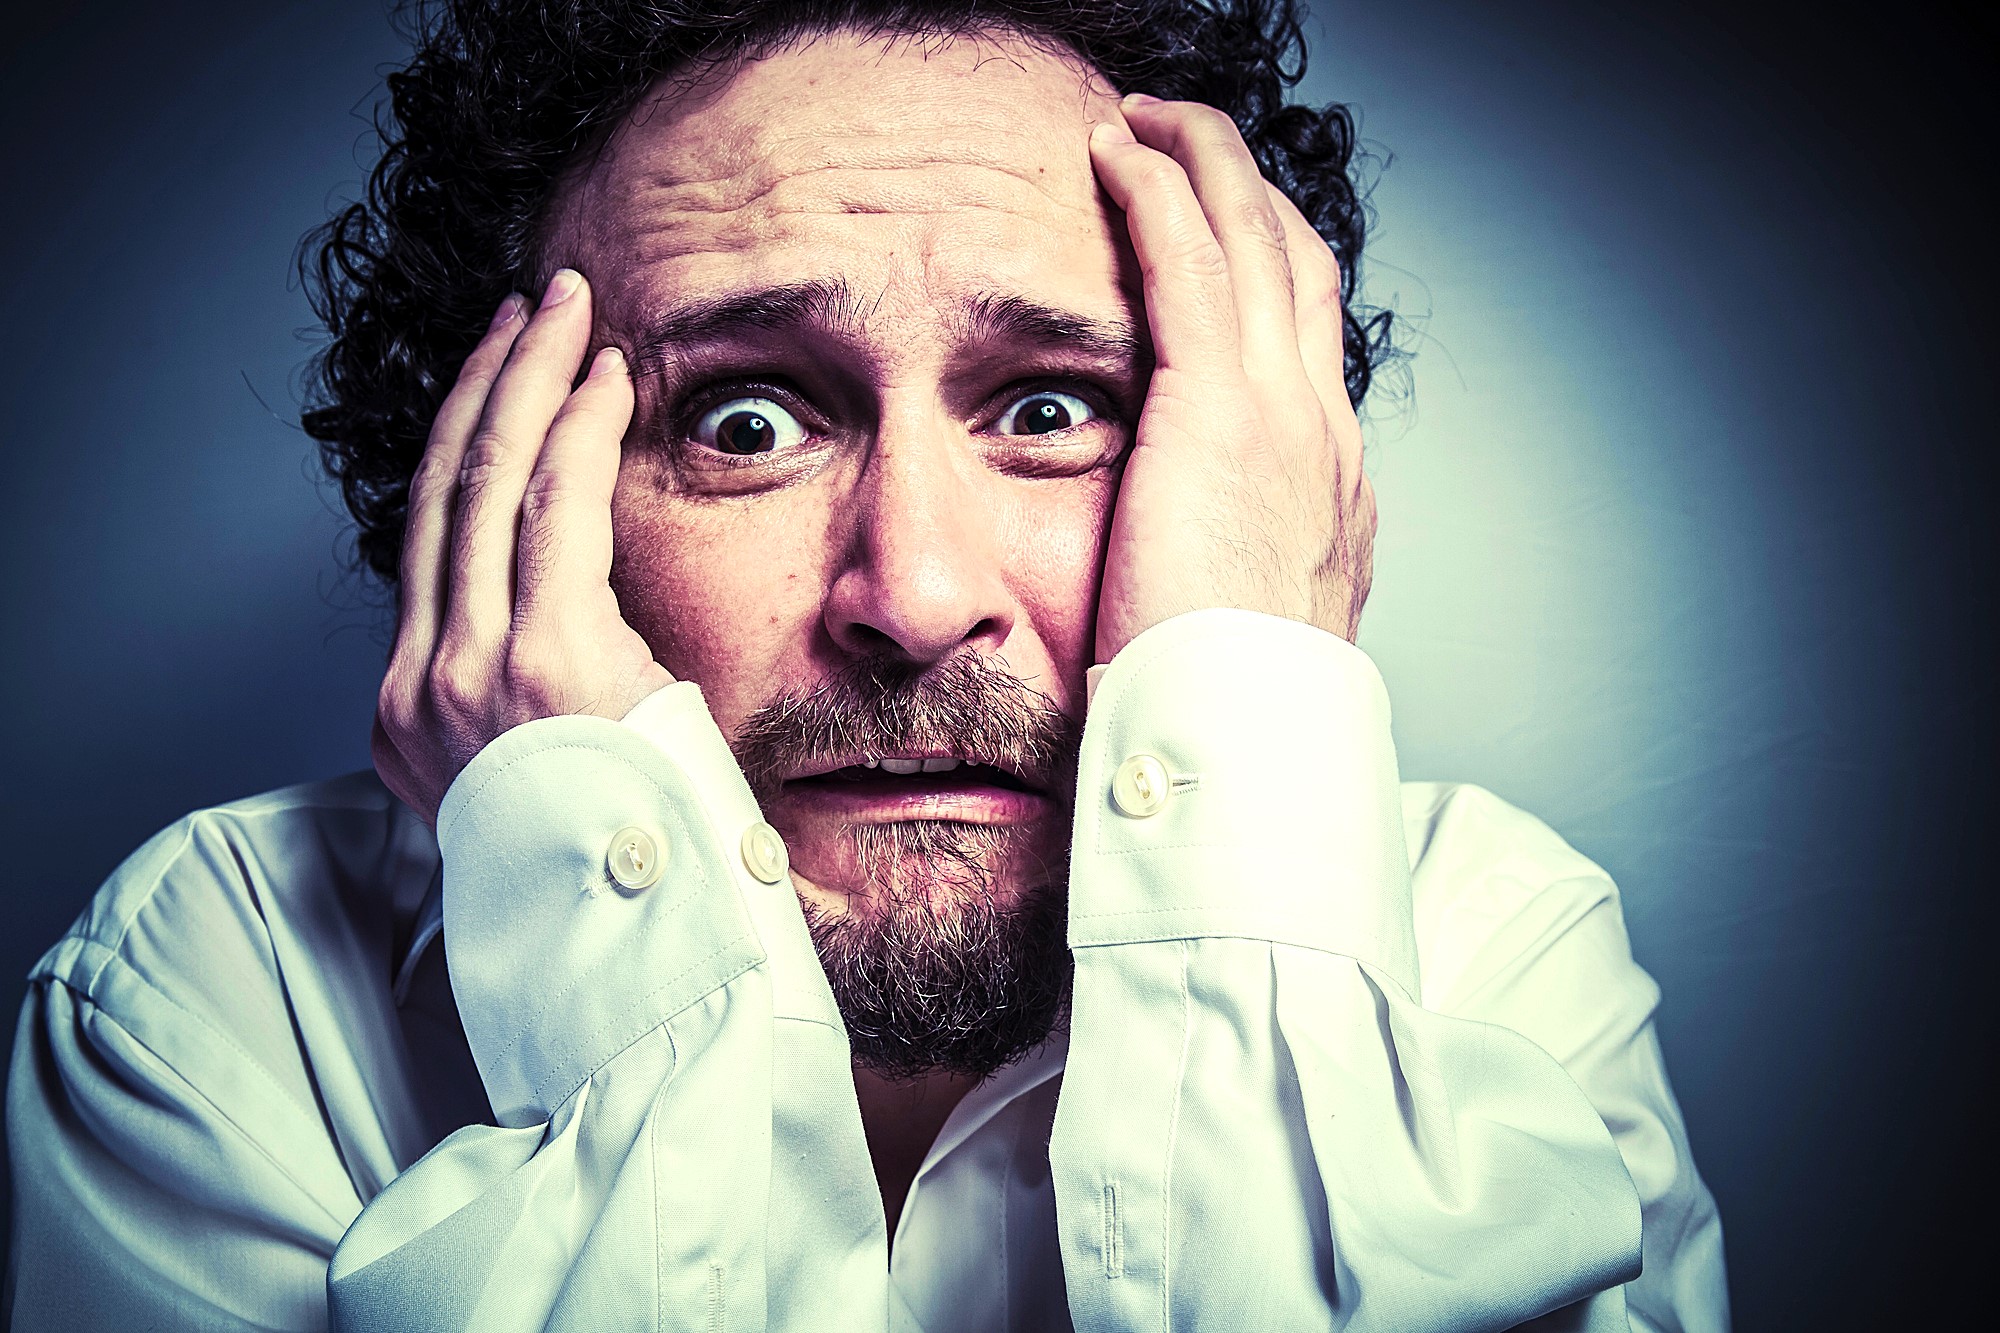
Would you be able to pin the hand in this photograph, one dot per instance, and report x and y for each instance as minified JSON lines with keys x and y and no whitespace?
{"x":1244,"y":486}
{"x":507,"y":612}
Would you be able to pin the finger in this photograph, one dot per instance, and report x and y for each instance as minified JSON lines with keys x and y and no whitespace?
{"x":1315,"y":299}
{"x":565,"y":548}
{"x":1316,"y":312}
{"x":427,"y":529}
{"x":1182,"y":267}
{"x":1233,"y":197}
{"x":493,"y":474}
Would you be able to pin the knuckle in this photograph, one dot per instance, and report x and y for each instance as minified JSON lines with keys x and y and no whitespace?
{"x":541,"y":529}
{"x":396,"y":700}
{"x":538,"y":555}
{"x":1256,"y":220}
{"x":1203,"y":257}
{"x":455,"y":692}
{"x":486,"y":453}
{"x":1163,"y":173}
{"x":533,"y":672}
{"x":434,"y":471}
{"x":1320,"y":299}
{"x":545,"y":495}
{"x":525,"y":663}
{"x":1207,"y":123}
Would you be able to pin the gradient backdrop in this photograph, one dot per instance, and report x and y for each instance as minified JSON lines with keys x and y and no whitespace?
{"x":1685,"y":543}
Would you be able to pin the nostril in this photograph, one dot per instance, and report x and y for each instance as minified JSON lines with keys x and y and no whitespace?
{"x":872,"y":642}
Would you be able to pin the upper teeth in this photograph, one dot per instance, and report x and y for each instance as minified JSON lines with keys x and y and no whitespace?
{"x":905,"y":766}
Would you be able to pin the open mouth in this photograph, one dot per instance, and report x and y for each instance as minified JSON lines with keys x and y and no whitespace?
{"x":966,"y":777}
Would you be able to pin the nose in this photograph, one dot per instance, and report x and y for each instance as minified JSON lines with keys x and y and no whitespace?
{"x":921,"y":578}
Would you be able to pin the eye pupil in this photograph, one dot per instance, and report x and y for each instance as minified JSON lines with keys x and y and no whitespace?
{"x":1039,"y":416}
{"x":745,"y":433}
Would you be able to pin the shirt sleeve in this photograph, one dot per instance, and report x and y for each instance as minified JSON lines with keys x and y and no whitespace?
{"x":1260,"y":1125}
{"x":1558,"y":968}
{"x":157,"y":1165}
{"x":678,"y":1143}
{"x":170,"y":1165}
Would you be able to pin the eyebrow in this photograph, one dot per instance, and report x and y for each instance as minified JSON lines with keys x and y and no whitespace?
{"x":826,"y":303}
{"x":1016,"y":319}
{"x":989,"y":317}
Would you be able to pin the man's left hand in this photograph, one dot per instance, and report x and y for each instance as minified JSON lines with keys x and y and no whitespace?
{"x":1244,"y":486}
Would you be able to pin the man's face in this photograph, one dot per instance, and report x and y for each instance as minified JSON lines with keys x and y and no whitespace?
{"x":884,"y":332}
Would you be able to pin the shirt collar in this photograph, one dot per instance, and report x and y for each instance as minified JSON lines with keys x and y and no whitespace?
{"x":425,"y":932}
{"x":996,"y":1093}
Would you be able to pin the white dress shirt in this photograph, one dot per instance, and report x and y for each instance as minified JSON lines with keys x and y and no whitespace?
{"x":1344,"y":1053}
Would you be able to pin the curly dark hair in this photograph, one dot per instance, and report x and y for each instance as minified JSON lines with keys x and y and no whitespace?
{"x":501,"y":96}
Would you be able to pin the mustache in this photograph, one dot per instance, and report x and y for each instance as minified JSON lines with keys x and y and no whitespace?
{"x":878,"y":706}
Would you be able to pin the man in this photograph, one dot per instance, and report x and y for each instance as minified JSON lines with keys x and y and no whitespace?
{"x":880,"y":821}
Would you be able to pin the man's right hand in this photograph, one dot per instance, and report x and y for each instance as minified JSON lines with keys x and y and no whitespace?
{"x":507,"y":613}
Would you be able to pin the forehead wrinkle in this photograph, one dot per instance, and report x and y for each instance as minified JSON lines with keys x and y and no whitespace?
{"x":797,"y":136}
{"x":925,"y":232}
{"x":807,"y":106}
{"x":698,"y":166}
{"x":902,"y":188}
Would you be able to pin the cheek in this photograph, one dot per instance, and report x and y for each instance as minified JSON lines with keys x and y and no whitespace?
{"x":1057,"y":533}
{"x":719,"y":592}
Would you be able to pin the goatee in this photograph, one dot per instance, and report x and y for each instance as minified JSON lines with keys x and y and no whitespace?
{"x":931,"y":971}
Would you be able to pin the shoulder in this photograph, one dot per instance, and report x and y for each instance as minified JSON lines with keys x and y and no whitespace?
{"x":207,"y":913}
{"x":1491,"y":882}
{"x":193,"y":1047}
{"x":1461,"y":836}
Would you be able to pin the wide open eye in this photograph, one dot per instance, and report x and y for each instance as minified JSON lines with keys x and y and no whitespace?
{"x":1043,"y":412}
{"x":747,"y":426}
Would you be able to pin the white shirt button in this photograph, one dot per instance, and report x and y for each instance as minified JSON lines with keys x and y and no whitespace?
{"x":636,"y":858}
{"x":764,"y":853}
{"x":1139,"y":788}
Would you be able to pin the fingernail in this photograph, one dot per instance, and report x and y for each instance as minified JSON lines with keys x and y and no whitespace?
{"x":561,"y":287}
{"x":607,"y":361}
{"x":1111,"y":131}
{"x":508,"y":309}
{"x":1137,"y":99}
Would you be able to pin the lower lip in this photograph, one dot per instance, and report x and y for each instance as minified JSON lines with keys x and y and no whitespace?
{"x":883,"y":800}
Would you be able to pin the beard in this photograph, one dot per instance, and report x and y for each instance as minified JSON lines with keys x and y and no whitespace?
{"x":932,"y":970}
{"x":945,"y":979}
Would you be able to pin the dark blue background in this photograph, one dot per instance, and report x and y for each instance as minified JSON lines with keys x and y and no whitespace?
{"x":1686,"y":542}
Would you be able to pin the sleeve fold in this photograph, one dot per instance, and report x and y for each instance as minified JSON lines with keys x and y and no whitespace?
{"x":679,"y":1143}
{"x":1259,"y":1125}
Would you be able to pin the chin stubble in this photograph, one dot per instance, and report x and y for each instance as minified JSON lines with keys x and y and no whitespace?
{"x":931,"y":973}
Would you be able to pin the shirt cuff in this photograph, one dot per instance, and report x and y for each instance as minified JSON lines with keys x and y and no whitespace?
{"x":556,"y":964}
{"x":1237,"y":778}
{"x":676,"y":721}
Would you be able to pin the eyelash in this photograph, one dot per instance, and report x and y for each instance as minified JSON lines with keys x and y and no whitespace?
{"x":1100,"y":400}
{"x":700,"y":400}
{"x":697,"y":403}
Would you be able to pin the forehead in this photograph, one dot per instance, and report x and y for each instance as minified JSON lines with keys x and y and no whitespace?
{"x":910,"y":172}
